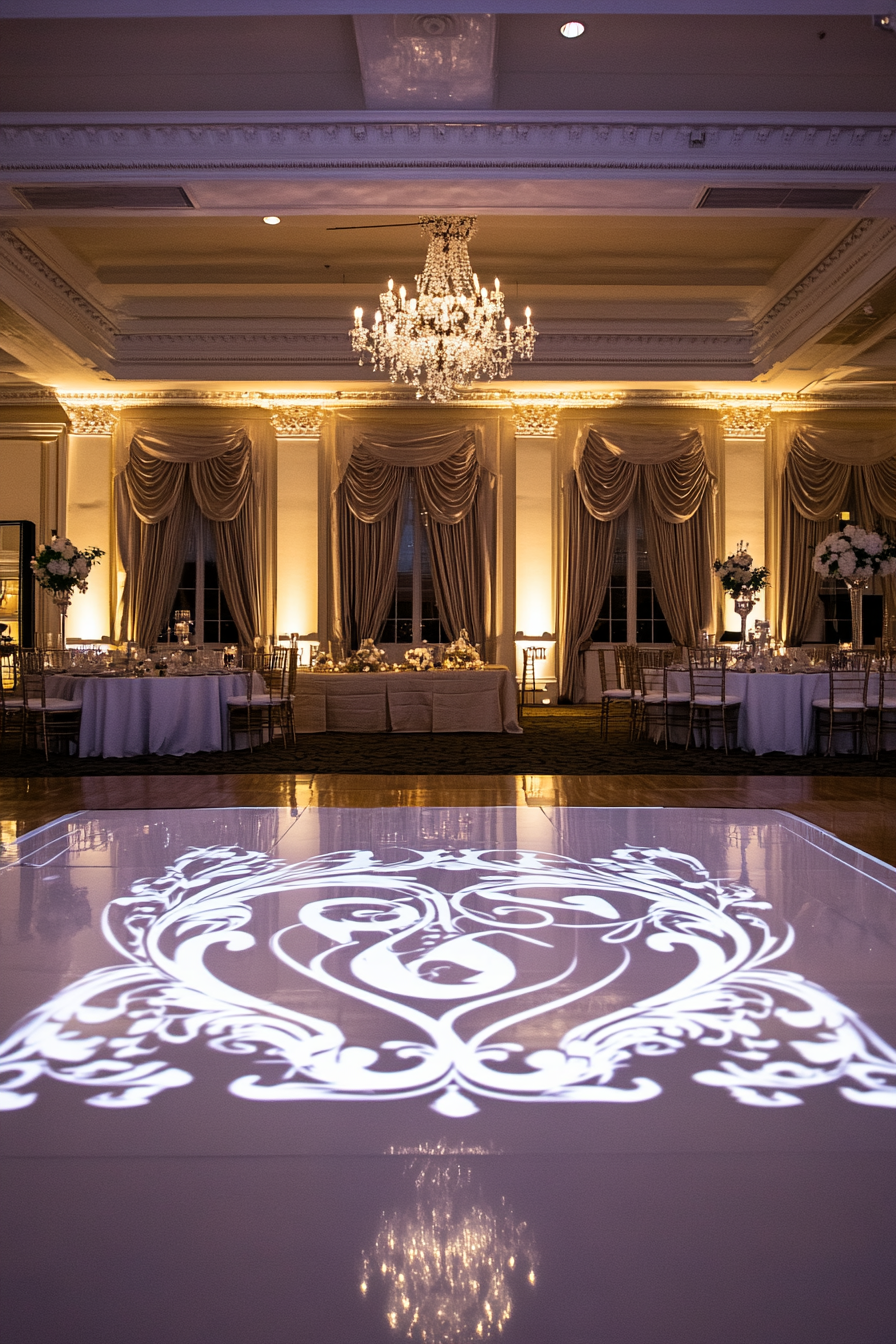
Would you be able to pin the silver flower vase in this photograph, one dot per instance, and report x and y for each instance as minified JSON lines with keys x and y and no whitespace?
{"x":743,"y":605}
{"x":856,"y":589}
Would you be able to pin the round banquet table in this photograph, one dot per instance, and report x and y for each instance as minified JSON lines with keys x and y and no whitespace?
{"x":776,"y":711}
{"x":151,"y":716}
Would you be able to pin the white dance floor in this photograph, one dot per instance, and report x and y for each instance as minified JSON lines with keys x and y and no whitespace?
{"x":447,"y":1074}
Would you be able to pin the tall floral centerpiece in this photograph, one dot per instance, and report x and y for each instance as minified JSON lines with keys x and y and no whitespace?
{"x":856,"y":557}
{"x":60,"y":568}
{"x":742,"y":580}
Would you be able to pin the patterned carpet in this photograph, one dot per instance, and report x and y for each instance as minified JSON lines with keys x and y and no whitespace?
{"x":563,"y":740}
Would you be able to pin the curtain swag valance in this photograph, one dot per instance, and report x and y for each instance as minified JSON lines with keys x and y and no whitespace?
{"x":828,"y":468}
{"x":449,"y":479}
{"x":168,"y":476}
{"x":670,"y":469}
{"x":664,"y":470}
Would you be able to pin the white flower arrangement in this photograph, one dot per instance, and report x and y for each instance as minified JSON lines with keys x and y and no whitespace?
{"x":737,"y":572}
{"x":855,"y":554}
{"x":460,"y":653}
{"x":322,"y":661}
{"x":419,"y":659}
{"x":368,"y":658}
{"x":60,"y":567}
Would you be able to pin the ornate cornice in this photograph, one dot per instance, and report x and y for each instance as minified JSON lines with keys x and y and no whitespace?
{"x":307,"y":410}
{"x":38,"y":273}
{"x":467,"y":142}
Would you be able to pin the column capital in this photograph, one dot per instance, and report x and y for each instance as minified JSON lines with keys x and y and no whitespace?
{"x":745,"y":419}
{"x":297,"y":422}
{"x":90,"y":418}
{"x":536,"y":419}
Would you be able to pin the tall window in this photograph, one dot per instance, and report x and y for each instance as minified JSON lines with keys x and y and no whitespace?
{"x":205,"y":600}
{"x":414,"y":615}
{"x":631,"y":613}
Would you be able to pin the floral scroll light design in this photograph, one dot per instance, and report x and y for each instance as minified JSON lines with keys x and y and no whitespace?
{"x":462,"y":959}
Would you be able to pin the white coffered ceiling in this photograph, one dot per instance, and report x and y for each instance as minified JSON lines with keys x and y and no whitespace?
{"x":587,"y":162}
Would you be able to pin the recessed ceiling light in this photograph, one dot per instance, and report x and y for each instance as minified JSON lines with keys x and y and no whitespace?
{"x":272,"y":219}
{"x":572,"y":29}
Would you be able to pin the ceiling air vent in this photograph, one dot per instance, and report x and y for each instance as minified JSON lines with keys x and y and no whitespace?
{"x":106,"y":196}
{"x":783,"y":198}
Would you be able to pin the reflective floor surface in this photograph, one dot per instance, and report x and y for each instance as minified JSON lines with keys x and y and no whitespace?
{"x":556,"y":1075}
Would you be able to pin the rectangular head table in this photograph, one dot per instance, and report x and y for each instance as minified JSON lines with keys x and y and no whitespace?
{"x":438,"y":701}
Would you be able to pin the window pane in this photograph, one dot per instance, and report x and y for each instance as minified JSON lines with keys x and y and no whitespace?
{"x":184,"y":600}
{"x":651,"y":627}
{"x":219,"y":625}
{"x":612,"y":623}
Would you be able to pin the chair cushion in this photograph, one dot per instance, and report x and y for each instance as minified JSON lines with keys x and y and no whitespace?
{"x":714,"y":700}
{"x":841,"y":706}
{"x":616,"y":695}
{"x":54,"y":707}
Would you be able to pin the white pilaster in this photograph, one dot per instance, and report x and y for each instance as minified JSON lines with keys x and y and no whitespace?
{"x":535,"y":515}
{"x":745,"y":510}
{"x":88,"y":522}
{"x":297,"y":610}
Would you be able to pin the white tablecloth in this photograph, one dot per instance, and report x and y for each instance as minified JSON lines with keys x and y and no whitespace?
{"x":776,"y":711}
{"x":407,"y":702}
{"x":151,"y":716}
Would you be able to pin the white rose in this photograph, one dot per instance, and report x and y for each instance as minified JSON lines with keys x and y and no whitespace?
{"x":873,"y":543}
{"x":847,"y":564}
{"x":58,"y":544}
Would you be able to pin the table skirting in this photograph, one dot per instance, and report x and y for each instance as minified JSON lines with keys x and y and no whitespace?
{"x":151,"y":716}
{"x":776,"y":711}
{"x":407,"y":702}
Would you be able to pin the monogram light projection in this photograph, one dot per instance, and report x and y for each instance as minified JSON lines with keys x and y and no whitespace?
{"x":472,"y":975}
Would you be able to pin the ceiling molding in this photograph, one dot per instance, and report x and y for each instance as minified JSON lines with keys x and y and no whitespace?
{"x":509,"y":400}
{"x":858,"y":263}
{"x":463,"y":142}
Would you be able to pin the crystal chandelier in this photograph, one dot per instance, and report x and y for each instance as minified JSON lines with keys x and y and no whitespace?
{"x":454,"y":332}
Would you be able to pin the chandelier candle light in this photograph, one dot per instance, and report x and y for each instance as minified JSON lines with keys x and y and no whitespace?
{"x":454,"y":332}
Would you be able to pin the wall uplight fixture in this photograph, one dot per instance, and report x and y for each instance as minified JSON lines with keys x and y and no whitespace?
{"x":574,"y":29}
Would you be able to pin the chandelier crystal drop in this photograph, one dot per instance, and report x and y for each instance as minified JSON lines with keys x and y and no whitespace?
{"x":454,"y":332}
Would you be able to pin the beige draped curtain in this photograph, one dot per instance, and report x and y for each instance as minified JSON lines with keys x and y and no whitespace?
{"x":828,"y":468}
{"x":454,"y":493}
{"x":169,"y":476}
{"x":664,"y":470}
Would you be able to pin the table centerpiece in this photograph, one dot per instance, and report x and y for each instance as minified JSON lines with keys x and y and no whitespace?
{"x":856,"y":557}
{"x":419,"y":660}
{"x":742,"y":580}
{"x":60,"y":567}
{"x":367,"y":658}
{"x":460,"y":653}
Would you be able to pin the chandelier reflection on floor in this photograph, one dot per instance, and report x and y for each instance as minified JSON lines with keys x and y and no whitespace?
{"x":449,"y":1263}
{"x":454,"y":332}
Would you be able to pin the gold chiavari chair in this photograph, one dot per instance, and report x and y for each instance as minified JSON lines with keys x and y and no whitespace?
{"x":612,"y":694}
{"x":658,"y":703}
{"x":886,"y":699}
{"x":710,"y":702}
{"x":846,"y":704}
{"x":12,"y":707}
{"x":49,"y":718}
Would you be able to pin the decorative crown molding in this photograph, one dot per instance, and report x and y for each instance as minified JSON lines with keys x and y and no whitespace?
{"x":361,"y":142}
